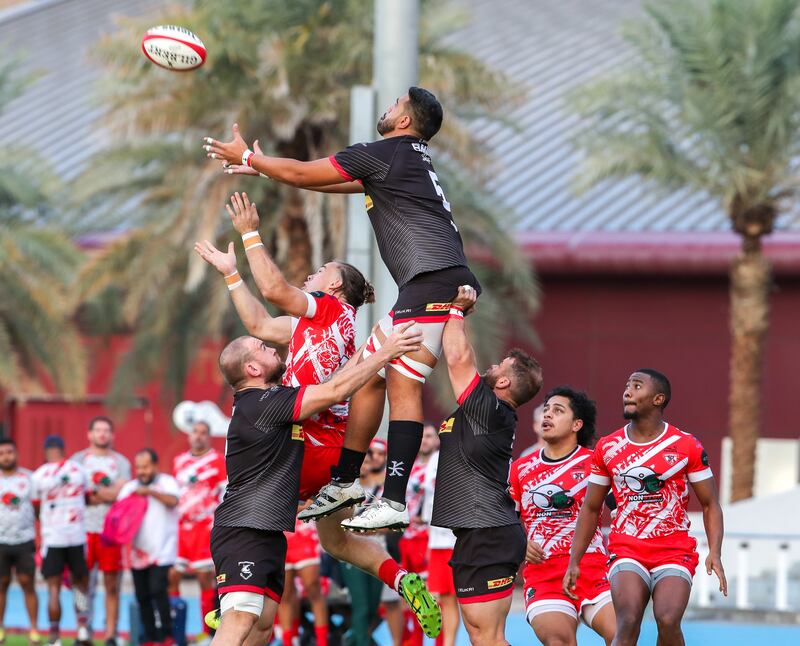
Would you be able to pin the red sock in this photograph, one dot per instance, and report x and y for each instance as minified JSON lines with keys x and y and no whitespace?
{"x":321,"y":633}
{"x":208,"y":599}
{"x":390,"y":573}
{"x":289,"y":635}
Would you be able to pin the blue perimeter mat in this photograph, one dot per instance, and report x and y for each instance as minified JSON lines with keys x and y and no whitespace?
{"x":518,"y":633}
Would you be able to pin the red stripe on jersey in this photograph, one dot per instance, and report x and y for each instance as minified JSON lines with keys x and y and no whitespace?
{"x":339,"y":168}
{"x":487,"y":597}
{"x":298,"y":403}
{"x":469,"y":389}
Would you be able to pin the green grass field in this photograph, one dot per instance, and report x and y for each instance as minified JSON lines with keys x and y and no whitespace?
{"x":22,"y":640}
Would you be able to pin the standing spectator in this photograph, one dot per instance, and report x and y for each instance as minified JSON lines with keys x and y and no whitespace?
{"x":200,"y":473}
{"x":17,"y":534}
{"x":107,"y":471}
{"x":441,"y":542}
{"x":155,"y":545}
{"x":414,"y":542}
{"x":538,"y":443}
{"x":60,"y":488}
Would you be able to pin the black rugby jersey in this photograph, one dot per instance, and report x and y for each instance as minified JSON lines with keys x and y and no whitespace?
{"x":263,"y":456}
{"x":406,"y":205}
{"x":474,"y":462}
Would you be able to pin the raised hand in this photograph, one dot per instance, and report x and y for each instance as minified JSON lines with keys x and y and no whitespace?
{"x":241,"y":169}
{"x":405,"y":338}
{"x":466,"y":299}
{"x":229,"y":152}
{"x":224,"y":263}
{"x":244,"y":215}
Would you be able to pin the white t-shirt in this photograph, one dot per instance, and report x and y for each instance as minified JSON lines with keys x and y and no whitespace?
{"x":60,"y":488}
{"x":439,"y":538}
{"x":156,"y":542}
{"x":16,"y":510}
{"x":102,"y":471}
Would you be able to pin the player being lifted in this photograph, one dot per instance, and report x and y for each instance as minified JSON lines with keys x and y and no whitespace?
{"x":548,"y":486}
{"x":421,"y":246}
{"x":320,"y":333}
{"x":649,"y":464}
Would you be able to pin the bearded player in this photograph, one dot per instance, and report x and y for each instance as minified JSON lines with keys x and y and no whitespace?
{"x":548,"y":486}
{"x":422,"y":248}
{"x":650,"y":465}
{"x":320,"y":333}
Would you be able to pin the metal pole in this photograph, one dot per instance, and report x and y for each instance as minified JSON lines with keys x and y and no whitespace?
{"x":742,"y":577}
{"x":782,"y":578}
{"x":704,"y":584}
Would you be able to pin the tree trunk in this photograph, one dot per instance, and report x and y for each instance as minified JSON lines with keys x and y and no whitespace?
{"x":749,"y":285}
{"x":292,"y":240}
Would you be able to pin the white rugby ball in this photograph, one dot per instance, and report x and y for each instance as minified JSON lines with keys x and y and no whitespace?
{"x":173,"y":48}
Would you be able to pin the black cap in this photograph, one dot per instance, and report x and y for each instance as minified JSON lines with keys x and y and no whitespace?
{"x":54,"y":442}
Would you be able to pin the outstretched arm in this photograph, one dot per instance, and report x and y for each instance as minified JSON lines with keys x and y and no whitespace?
{"x":269,"y":279}
{"x":254,"y":316}
{"x":349,"y":379}
{"x":458,"y":352}
{"x":320,"y":172}
{"x":706,"y":492}
{"x":585,"y":527}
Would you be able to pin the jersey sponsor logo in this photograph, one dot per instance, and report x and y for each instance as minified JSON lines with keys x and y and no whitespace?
{"x":437,"y":307}
{"x":297,"y":432}
{"x":447,"y":425}
{"x":101,"y":479}
{"x":420,"y":148}
{"x":245,"y":569}
{"x":221,"y":578}
{"x":551,"y":497}
{"x":642,"y":480}
{"x":499,"y":583}
{"x":11,"y":499}
{"x":368,"y":202}
{"x":530,"y":593}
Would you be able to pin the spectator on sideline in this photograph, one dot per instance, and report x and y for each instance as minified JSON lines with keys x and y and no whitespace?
{"x":441,"y":542}
{"x":200,"y":473}
{"x":538,"y":415}
{"x":17,"y":534}
{"x":107,"y":471}
{"x":60,"y":488}
{"x":155,"y":545}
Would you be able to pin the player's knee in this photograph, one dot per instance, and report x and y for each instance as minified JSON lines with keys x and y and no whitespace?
{"x":628,"y":626}
{"x":5,"y":582}
{"x":111,"y":583}
{"x":668,"y":619}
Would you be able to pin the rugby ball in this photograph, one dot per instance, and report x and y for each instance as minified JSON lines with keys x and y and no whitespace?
{"x":173,"y":48}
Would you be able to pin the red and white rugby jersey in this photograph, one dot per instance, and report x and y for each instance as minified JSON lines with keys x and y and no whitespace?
{"x":16,"y":510}
{"x":549,"y":495}
{"x":415,"y":494}
{"x":650,"y":481}
{"x":61,"y":488}
{"x":322,"y":341}
{"x":201,"y":480}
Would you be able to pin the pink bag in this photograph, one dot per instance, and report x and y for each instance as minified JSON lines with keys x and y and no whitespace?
{"x":123,"y":520}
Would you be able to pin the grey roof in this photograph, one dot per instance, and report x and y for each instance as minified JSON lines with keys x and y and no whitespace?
{"x":551,"y":47}
{"x":51,"y":38}
{"x":548,"y":46}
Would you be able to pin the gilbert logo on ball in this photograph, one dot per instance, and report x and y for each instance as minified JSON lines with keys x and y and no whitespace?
{"x":173,"y":48}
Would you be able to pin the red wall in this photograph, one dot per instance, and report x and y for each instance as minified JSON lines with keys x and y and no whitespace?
{"x":596,"y":330}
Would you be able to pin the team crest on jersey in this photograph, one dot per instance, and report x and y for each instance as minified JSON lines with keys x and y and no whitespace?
{"x":368,"y":202}
{"x":530,"y":593}
{"x":447,"y":426}
{"x":297,"y":432}
{"x":499,"y":583}
{"x":245,"y":569}
{"x":671,"y":457}
{"x":437,"y":307}
{"x":578,"y":475}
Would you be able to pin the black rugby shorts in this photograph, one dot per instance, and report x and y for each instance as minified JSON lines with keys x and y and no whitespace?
{"x":486,"y":560}
{"x":249,"y":560}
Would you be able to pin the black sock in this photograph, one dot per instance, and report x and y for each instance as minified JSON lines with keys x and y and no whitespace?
{"x":349,"y":467}
{"x":405,"y":438}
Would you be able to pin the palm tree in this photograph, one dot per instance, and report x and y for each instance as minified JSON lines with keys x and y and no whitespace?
{"x":283,"y":71}
{"x":39,"y":344}
{"x":711,"y":104}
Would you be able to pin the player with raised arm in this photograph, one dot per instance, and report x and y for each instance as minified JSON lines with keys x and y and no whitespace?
{"x":420,"y":244}
{"x":548,"y":486}
{"x":320,"y":333}
{"x":472,"y":484}
{"x":649,"y":464}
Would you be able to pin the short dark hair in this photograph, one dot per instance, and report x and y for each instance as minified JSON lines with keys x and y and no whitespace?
{"x":661,"y":382}
{"x":426,"y":112}
{"x":583,"y":409}
{"x":527,"y":377}
{"x":7,"y":441}
{"x":101,"y":418}
{"x":357,"y":289}
{"x":148,"y":451}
